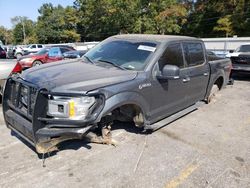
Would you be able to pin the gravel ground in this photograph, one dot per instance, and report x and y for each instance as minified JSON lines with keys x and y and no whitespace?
{"x":208,"y":148}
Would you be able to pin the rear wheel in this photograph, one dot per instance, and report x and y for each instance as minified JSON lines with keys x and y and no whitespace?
{"x":36,"y":63}
{"x":212,"y":93}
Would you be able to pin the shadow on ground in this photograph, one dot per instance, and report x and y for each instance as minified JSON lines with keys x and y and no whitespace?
{"x":241,"y":77}
{"x":77,"y":144}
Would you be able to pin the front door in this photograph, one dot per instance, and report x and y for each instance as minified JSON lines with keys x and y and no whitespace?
{"x":169,"y":96}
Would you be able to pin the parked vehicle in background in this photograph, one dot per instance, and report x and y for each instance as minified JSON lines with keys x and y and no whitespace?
{"x":241,"y":59}
{"x":149,"y":80}
{"x":10,"y":53}
{"x":28,"y":49}
{"x":74,"y":54}
{"x":18,"y":51}
{"x":212,"y":56}
{"x":2,"y":53}
{"x":7,"y":67}
{"x":32,"y":48}
{"x":45,"y":55}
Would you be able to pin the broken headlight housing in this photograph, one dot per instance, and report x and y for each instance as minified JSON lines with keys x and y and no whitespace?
{"x":76,"y":108}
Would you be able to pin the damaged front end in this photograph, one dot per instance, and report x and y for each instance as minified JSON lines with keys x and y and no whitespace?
{"x":45,"y":118}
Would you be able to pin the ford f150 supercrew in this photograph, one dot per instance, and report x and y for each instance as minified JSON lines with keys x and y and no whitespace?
{"x":145,"y":79}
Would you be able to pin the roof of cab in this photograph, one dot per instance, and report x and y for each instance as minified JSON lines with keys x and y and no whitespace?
{"x":150,"y":37}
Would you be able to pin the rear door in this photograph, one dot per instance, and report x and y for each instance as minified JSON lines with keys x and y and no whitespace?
{"x":54,"y":54}
{"x":169,"y":96}
{"x":198,"y":69}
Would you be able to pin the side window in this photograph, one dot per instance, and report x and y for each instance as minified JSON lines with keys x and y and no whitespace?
{"x":33,"y":46}
{"x":194,"y":53}
{"x":172,"y":56}
{"x":64,"y":50}
{"x":39,"y":46}
{"x":54,"y":52}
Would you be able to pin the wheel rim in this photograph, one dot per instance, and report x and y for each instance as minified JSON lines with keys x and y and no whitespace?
{"x":36,"y":64}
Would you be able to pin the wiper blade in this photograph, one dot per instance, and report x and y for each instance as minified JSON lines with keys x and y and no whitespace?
{"x":111,"y":63}
{"x":91,"y":61}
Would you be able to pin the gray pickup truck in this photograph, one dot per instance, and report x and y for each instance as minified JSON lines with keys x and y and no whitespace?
{"x":148,"y":80}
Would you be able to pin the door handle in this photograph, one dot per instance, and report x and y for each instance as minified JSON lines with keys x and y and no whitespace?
{"x":205,"y":74}
{"x":186,"y":80}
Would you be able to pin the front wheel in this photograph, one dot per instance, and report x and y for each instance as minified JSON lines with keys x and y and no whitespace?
{"x":18,"y":55}
{"x":37,"y":63}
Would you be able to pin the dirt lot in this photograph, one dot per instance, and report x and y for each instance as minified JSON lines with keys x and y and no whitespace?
{"x":207,"y":148}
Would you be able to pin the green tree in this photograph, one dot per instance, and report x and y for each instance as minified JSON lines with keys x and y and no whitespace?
{"x":224,"y":26}
{"x":57,"y":24}
{"x":5,"y":35}
{"x":128,"y":16}
{"x":93,"y":19}
{"x":216,"y":18}
{"x":24,"y":31}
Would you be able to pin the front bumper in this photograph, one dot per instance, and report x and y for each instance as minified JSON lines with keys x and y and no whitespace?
{"x":31,"y":122}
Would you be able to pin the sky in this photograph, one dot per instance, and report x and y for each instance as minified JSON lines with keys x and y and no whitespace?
{"x":28,"y":8}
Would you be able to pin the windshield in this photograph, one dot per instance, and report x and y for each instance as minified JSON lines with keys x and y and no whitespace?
{"x":42,"y":51}
{"x":243,"y":48}
{"x":125,"y":54}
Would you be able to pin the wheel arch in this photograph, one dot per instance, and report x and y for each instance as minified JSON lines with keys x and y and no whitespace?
{"x":126,"y":98}
{"x":219,"y":81}
{"x":37,"y":60}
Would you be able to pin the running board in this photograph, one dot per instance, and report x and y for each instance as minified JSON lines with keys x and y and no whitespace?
{"x":170,"y":119}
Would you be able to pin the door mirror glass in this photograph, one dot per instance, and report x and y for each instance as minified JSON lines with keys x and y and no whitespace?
{"x":170,"y":72}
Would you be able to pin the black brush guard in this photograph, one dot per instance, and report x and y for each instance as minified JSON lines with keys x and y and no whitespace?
{"x":26,"y":114}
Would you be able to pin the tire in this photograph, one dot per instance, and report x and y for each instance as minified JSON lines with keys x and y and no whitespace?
{"x":18,"y":55}
{"x":212,"y":93}
{"x":36,"y":63}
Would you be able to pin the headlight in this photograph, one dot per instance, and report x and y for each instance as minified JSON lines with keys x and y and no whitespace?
{"x":72,"y":108}
{"x":26,"y":60}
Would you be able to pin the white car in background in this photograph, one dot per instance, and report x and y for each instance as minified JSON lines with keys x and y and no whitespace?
{"x":7,"y":67}
{"x":32,"y":48}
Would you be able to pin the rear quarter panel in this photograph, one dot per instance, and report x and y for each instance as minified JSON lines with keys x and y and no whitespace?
{"x":219,"y":68}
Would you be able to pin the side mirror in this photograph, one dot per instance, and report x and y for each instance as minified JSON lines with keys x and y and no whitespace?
{"x":231,"y":51}
{"x":169,"y":72}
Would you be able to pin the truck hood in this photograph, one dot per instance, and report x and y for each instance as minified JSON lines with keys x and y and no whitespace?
{"x":75,"y":75}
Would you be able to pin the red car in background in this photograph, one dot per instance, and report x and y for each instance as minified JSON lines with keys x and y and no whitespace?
{"x":45,"y":55}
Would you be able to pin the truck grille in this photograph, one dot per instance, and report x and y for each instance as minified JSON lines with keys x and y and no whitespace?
{"x":244,"y":60}
{"x":23,"y":97}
